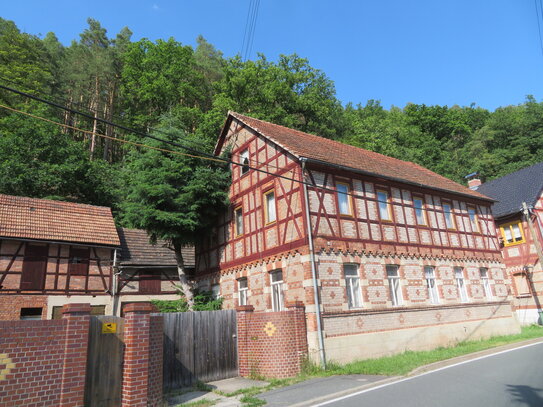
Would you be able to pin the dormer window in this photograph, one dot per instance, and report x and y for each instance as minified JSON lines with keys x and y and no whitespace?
{"x":244,"y":160}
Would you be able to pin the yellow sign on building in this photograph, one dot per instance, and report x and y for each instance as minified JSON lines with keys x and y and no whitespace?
{"x":109,"y":327}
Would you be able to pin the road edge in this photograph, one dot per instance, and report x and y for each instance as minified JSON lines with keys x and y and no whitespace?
{"x":419,"y":371}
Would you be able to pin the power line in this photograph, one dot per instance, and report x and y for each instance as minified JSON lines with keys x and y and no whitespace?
{"x":67,"y":126}
{"x":110,"y":123}
{"x":127,"y":129}
{"x":250,"y":26}
{"x":539,"y":10}
{"x":75,"y":103}
{"x":213,"y":158}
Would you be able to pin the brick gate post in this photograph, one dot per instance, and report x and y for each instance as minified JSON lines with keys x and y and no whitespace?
{"x":243,"y":315}
{"x":74,"y":370}
{"x":142,"y":371}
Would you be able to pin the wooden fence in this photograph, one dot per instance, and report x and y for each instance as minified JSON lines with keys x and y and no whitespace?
{"x":199,"y":346}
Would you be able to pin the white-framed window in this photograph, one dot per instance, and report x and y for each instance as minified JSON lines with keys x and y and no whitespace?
{"x":472,"y":213}
{"x":483,"y":271}
{"x":270,"y":212}
{"x":244,"y":160}
{"x":449,"y":218}
{"x":238,"y":218}
{"x":276,"y":278}
{"x":430,"y":275}
{"x":352,"y":285}
{"x":384,"y":205}
{"x":461,"y":284}
{"x":418,"y":203}
{"x":343,"y":198}
{"x":395,"y":288}
{"x":215,"y":291}
{"x":243,"y":289}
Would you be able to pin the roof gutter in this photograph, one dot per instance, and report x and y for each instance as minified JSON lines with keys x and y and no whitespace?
{"x":403,"y":181}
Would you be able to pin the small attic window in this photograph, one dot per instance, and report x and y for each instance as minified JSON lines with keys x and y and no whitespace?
{"x":244,"y":159}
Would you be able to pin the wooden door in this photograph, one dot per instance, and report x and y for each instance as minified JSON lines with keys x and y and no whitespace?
{"x":104,"y":362}
{"x":34,"y":267}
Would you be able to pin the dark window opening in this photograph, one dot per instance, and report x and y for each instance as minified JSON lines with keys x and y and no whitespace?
{"x":31,"y":313}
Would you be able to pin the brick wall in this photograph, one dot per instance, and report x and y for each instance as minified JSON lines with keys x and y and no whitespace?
{"x":44,"y":362}
{"x":271,"y":344}
{"x":10,"y":305}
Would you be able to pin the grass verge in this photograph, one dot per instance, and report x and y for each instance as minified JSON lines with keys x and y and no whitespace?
{"x":396,"y":365}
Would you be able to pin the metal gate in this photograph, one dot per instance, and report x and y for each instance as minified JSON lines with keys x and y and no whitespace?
{"x":104,"y":362}
{"x":199,"y":346}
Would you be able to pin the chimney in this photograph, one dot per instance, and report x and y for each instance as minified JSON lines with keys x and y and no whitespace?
{"x":474,"y":181}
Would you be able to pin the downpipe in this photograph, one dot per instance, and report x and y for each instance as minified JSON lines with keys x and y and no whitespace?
{"x":313,"y":270}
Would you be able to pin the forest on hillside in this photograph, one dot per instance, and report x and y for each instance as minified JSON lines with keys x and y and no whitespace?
{"x":181,"y":93}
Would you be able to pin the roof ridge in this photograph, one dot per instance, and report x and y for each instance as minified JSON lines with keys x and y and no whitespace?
{"x":235,"y":114}
{"x":328,"y":151}
{"x":28,"y":198}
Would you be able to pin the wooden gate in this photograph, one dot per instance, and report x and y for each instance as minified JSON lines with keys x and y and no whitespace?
{"x":104,"y":362}
{"x":199,"y":346}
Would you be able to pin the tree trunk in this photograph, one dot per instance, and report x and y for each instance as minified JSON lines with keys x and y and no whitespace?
{"x":95,"y":122}
{"x":186,"y":286}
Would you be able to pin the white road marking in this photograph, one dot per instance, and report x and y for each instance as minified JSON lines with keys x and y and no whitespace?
{"x":422,"y":374}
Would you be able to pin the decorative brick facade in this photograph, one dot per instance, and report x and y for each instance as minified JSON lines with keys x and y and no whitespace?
{"x":271,"y":344}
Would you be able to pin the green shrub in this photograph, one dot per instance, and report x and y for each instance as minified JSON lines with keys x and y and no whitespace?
{"x":203,"y":301}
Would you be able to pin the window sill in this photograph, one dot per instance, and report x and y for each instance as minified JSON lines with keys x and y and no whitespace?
{"x":513,"y":244}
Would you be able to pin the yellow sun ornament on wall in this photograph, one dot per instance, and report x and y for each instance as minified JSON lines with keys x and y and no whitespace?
{"x":8,"y":364}
{"x":270,"y":328}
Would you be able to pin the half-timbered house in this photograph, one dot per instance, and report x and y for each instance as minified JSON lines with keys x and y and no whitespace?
{"x":385,"y":254}
{"x":53,"y":253}
{"x":519,"y":220}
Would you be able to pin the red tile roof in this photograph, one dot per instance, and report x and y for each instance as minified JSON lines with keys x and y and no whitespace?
{"x":333,"y":152}
{"x":43,"y":219}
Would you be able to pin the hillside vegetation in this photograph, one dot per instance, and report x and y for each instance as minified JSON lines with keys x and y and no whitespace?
{"x":152,"y":86}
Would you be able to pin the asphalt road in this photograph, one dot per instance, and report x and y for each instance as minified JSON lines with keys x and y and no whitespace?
{"x":509,"y":379}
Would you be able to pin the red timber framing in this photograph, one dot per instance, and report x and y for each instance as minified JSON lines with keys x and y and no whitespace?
{"x":53,"y":262}
{"x":401,"y":235}
{"x":259,"y":239}
{"x":362,"y":230}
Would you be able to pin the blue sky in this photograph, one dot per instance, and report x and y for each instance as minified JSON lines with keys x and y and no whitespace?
{"x":486,"y":52}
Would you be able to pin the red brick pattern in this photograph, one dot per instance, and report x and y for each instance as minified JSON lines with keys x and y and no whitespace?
{"x":44,"y":362}
{"x":271,"y":344}
{"x":77,"y":317}
{"x":10,"y":306}
{"x":141,"y":359}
